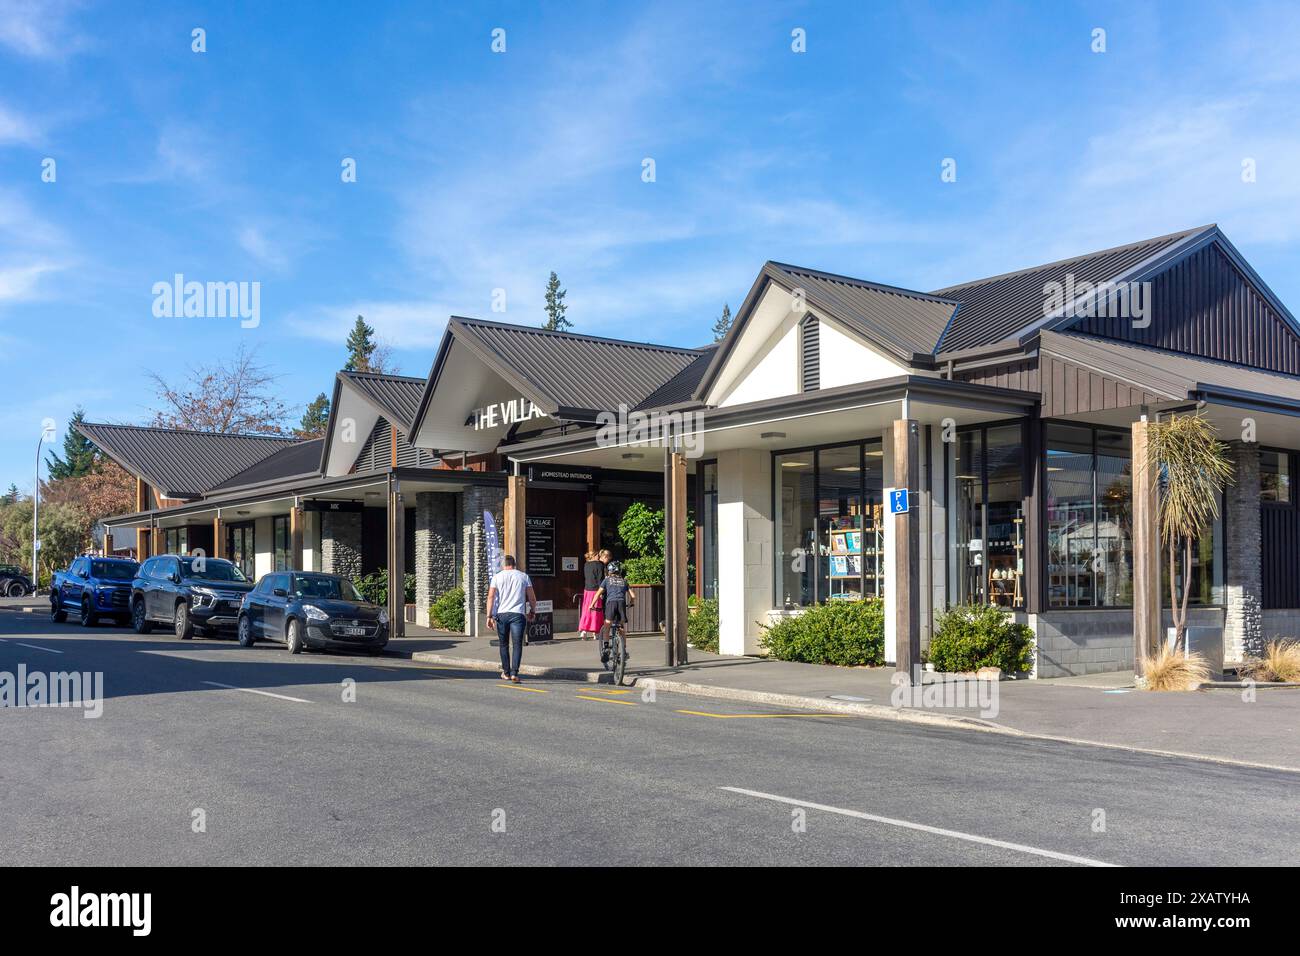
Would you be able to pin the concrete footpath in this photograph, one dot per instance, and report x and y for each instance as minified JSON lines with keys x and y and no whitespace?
{"x":1101,"y":710}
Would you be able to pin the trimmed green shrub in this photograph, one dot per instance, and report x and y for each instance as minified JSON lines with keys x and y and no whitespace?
{"x":646,"y":569}
{"x":971,"y":636}
{"x":702,"y":625}
{"x":848,"y":633}
{"x":448,"y":612}
{"x":374,"y":587}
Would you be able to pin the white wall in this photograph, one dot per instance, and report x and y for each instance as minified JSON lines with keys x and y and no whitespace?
{"x":745,"y":558}
{"x":845,"y":360}
{"x":264,"y":541}
{"x":774,"y":372}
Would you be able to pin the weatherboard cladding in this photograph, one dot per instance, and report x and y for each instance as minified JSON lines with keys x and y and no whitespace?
{"x":911,"y":322}
{"x":995,"y":309}
{"x":181,"y":463}
{"x":398,"y":395}
{"x":577,"y":371}
{"x":1202,"y":305}
{"x":1163,"y":375}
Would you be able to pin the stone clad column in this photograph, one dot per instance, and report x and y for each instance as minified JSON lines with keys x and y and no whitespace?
{"x":340,"y":543}
{"x":475,"y":501}
{"x":437,"y":522}
{"x":1243,"y":614}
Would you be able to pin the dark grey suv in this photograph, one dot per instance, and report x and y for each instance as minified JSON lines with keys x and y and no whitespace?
{"x":192,"y":595}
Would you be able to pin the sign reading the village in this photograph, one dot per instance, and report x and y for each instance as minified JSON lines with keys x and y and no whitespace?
{"x":539,"y":547}
{"x":499,"y":414}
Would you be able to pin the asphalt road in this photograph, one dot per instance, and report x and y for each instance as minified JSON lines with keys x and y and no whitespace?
{"x":432,"y":765}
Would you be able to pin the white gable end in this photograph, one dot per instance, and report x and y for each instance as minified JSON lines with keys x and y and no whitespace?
{"x":845,"y":360}
{"x":765,"y":362}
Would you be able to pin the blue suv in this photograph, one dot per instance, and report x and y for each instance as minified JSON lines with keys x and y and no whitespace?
{"x":93,"y":588}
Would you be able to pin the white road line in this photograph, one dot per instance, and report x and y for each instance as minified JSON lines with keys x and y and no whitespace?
{"x":35,"y":647}
{"x":262,"y":693}
{"x":923,"y":828}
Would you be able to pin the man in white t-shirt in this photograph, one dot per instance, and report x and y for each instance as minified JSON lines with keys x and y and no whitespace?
{"x":508,"y":593}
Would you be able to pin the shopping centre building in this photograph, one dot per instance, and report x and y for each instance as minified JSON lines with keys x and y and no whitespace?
{"x":1013,"y":410}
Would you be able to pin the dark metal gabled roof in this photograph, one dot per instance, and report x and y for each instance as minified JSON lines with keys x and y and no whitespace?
{"x":177,"y":462}
{"x":905,"y":322}
{"x":397,"y":396}
{"x":571,"y":372}
{"x":298,"y":460}
{"x":1004,"y":306}
{"x":679,"y":389}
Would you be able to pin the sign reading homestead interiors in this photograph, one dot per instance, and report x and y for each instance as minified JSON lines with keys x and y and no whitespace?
{"x":498,"y":414}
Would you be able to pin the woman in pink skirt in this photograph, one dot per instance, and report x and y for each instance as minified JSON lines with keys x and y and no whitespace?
{"x":593,"y":619}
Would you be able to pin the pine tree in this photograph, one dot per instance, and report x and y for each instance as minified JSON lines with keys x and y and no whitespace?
{"x":78,"y":452}
{"x":555,"y":307}
{"x":361,"y":347}
{"x":11,"y":496}
{"x":722,"y":325}
{"x":316,"y":418}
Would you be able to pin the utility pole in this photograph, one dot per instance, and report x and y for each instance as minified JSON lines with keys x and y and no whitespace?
{"x":47,"y":434}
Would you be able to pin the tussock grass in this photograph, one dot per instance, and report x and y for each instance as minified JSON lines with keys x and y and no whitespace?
{"x":1171,"y":669}
{"x":1281,"y":662}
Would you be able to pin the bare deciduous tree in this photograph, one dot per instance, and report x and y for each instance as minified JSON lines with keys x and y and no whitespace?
{"x":233,"y":395}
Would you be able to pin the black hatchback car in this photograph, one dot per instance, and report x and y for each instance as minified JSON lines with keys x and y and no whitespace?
{"x":192,"y":595}
{"x":308,"y":609}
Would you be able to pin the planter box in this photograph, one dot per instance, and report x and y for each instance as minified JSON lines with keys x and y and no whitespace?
{"x":1206,"y":641}
{"x":646,"y":615}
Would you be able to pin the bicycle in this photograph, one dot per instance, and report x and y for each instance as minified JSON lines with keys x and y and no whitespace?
{"x":613,"y":651}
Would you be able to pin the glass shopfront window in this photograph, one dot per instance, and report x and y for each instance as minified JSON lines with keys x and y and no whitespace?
{"x":240,"y":547}
{"x":280,"y":539}
{"x":176,"y":540}
{"x":708,"y":529}
{"x":1275,"y":476}
{"x":828,"y":524}
{"x":989,"y":537}
{"x":1089,"y":513}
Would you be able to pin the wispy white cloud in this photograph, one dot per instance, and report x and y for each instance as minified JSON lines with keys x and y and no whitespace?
{"x":41,"y":28}
{"x":16,"y":128}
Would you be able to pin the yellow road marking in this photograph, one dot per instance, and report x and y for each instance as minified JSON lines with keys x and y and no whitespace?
{"x":606,"y":700}
{"x":531,"y":690}
{"x":612,"y":690}
{"x":702,"y":713}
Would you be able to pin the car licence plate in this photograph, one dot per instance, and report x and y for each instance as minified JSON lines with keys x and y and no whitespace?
{"x":352,"y":631}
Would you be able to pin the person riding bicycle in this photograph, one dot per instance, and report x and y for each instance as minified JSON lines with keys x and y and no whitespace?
{"x":618,"y":597}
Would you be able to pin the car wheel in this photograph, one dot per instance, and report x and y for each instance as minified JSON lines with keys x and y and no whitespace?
{"x":88,"y":617}
{"x":139,"y":621}
{"x":57,"y":614}
{"x":246,"y":638}
{"x":16,"y":589}
{"x":182,"y":623}
{"x":293,"y":637}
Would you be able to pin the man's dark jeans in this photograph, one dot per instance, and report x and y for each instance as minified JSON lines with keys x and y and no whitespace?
{"x":510,"y":635}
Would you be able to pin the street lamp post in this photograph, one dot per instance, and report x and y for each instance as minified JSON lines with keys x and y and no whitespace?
{"x":47,"y":434}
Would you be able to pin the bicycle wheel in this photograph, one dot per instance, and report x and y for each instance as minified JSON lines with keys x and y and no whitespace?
{"x":618,"y":656}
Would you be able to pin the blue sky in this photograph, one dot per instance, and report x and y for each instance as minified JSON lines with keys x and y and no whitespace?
{"x":478,"y":171}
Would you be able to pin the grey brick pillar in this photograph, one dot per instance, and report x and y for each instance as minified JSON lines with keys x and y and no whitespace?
{"x":340,"y":543}
{"x":474,"y":501}
{"x":1243,"y":616}
{"x":437,"y":526}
